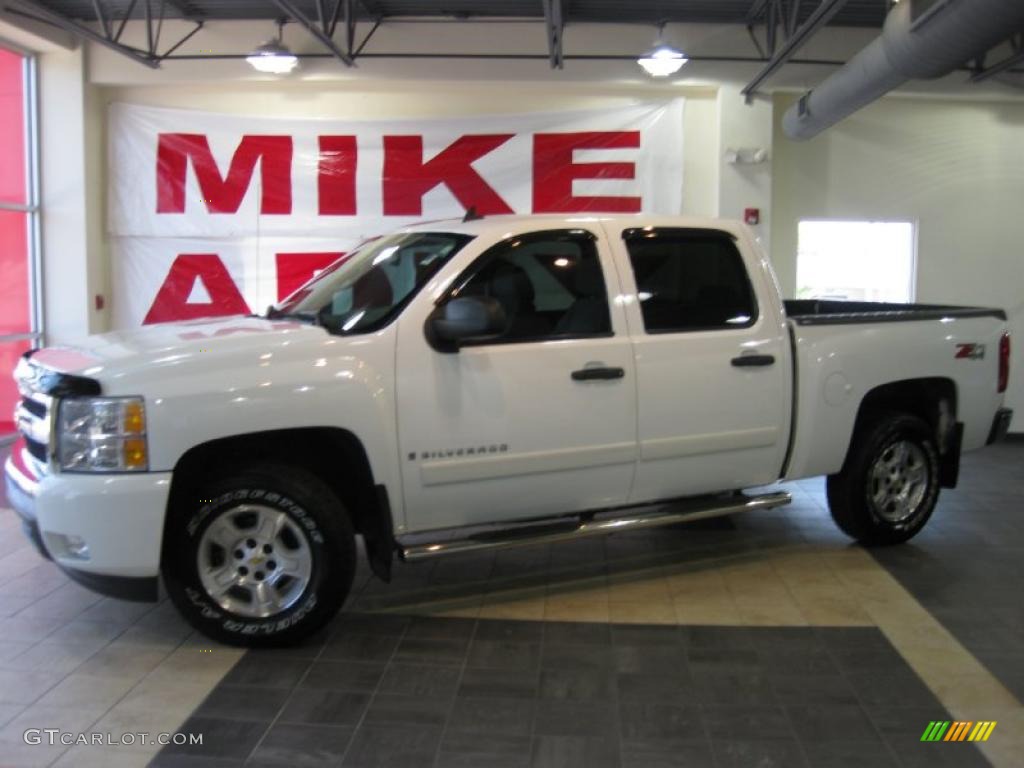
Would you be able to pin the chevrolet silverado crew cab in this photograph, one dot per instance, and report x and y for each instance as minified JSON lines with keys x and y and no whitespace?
{"x":462,"y":385}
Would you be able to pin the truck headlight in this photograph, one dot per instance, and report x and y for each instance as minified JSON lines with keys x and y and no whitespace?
{"x":102,"y":434}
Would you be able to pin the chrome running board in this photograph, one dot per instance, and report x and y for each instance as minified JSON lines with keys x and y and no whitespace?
{"x":579,"y":526}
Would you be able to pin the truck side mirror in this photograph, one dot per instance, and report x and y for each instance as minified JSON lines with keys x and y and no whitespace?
{"x":465,"y":319}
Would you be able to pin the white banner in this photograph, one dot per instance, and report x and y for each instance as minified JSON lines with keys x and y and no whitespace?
{"x":212,"y":214}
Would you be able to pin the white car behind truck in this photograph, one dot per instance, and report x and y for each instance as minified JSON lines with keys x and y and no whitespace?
{"x":462,"y":385}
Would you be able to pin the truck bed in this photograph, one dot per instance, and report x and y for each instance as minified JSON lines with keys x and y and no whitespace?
{"x":830,"y":312}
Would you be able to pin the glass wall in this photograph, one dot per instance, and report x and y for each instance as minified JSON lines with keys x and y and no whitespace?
{"x":19,"y":320}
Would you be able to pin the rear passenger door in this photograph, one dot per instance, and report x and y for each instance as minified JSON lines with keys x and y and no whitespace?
{"x":712,"y":363}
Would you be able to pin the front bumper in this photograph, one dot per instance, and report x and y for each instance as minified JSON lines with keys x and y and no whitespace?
{"x":120,"y":519}
{"x":1000,"y":425}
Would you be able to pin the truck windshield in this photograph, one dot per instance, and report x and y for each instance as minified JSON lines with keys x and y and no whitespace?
{"x":369,"y":286}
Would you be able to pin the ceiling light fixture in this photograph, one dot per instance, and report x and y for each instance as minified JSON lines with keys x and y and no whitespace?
{"x":273,"y":57}
{"x":663,"y":60}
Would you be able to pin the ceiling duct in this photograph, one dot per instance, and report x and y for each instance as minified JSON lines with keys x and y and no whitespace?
{"x":921,"y":39}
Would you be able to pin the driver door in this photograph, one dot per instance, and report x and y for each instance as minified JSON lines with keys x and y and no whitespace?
{"x":521,"y":426}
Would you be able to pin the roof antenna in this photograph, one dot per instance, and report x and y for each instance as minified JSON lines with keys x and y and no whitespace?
{"x":471,"y":214}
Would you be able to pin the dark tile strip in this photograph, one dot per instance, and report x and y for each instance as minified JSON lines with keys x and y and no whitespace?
{"x":557,"y":694}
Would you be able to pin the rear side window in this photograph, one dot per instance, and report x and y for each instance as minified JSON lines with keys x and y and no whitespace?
{"x":550,"y":285}
{"x":690,"y":280}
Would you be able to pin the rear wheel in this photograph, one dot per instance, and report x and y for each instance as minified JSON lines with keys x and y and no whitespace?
{"x":887,"y":489}
{"x":264,"y":558}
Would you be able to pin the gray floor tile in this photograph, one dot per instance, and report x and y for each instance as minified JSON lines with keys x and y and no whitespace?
{"x":233,"y":739}
{"x":897,"y":687}
{"x":722,"y":660}
{"x":754,"y":723}
{"x":743,"y":753}
{"x":579,"y":657}
{"x":512,"y":717}
{"x":264,"y":673}
{"x":504,"y":654}
{"x":575,"y":718}
{"x":645,"y":635}
{"x":420,"y":680}
{"x":659,"y":721}
{"x":574,"y":752}
{"x":325,"y":707}
{"x":818,"y":690}
{"x":357,"y":646}
{"x":243,"y":702}
{"x":666,"y":754}
{"x":465,"y":749}
{"x":393,"y":747}
{"x":394,"y":709}
{"x":499,"y":683}
{"x":432,"y":651}
{"x":299,"y":746}
{"x":576,"y":633}
{"x":747,"y":688}
{"x":850,"y":754}
{"x":511,"y":631}
{"x":575,"y":684}
{"x":441,"y":628}
{"x":837,"y":723}
{"x":655,"y":687}
{"x":343,"y":675}
{"x":370,"y":624}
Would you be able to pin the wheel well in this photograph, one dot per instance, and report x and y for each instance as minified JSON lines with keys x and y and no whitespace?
{"x":932,"y":400}
{"x":335,"y":455}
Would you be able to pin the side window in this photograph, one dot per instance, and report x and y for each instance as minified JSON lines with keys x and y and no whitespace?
{"x":690,"y":280}
{"x":550,"y":285}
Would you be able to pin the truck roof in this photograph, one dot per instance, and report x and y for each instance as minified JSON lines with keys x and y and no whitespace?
{"x":500,"y":225}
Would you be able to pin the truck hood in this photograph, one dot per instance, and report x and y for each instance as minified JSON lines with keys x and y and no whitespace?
{"x":223,"y":343}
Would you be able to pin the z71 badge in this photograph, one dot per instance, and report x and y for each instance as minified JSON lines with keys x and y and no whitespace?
{"x":970,"y":351}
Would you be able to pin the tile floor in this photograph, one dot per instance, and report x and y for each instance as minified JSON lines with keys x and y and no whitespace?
{"x":943,"y":614}
{"x":432,"y":692}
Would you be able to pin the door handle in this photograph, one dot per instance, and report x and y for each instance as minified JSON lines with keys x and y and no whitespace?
{"x":752,"y":361}
{"x":598,"y":373}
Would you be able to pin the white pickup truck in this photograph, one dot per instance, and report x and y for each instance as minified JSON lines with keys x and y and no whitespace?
{"x":462,"y":385}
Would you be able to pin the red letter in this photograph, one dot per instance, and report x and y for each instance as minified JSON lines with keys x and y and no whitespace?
{"x":171,"y":302}
{"x":554,"y":171}
{"x":224,"y":195}
{"x":294,"y":270}
{"x":407,"y":178}
{"x":336,"y":178}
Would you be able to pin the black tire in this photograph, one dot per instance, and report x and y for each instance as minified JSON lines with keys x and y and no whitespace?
{"x":864,"y":506}
{"x":311,"y":511}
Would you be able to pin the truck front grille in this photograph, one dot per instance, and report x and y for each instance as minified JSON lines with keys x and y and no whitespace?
{"x":33,"y":416}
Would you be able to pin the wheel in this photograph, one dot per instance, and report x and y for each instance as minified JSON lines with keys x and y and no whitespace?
{"x":264,"y":557}
{"x":887,"y":489}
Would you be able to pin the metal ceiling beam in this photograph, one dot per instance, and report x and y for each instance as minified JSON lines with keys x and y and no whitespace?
{"x":554,"y":24}
{"x":42,"y":13}
{"x":110,"y":32}
{"x":819,"y":17}
{"x":289,"y":8}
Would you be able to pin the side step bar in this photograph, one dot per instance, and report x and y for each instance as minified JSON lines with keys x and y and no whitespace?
{"x":578,"y":527}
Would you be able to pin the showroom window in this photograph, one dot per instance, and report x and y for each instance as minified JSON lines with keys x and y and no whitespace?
{"x":690,"y":280}
{"x":856,"y":260}
{"x":19,"y":210}
{"x":550,"y":285}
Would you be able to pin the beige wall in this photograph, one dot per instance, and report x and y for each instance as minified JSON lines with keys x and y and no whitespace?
{"x":956,"y":168}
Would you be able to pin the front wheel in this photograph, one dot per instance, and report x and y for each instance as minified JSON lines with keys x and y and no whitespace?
{"x":887,"y":489}
{"x":265,"y":557}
